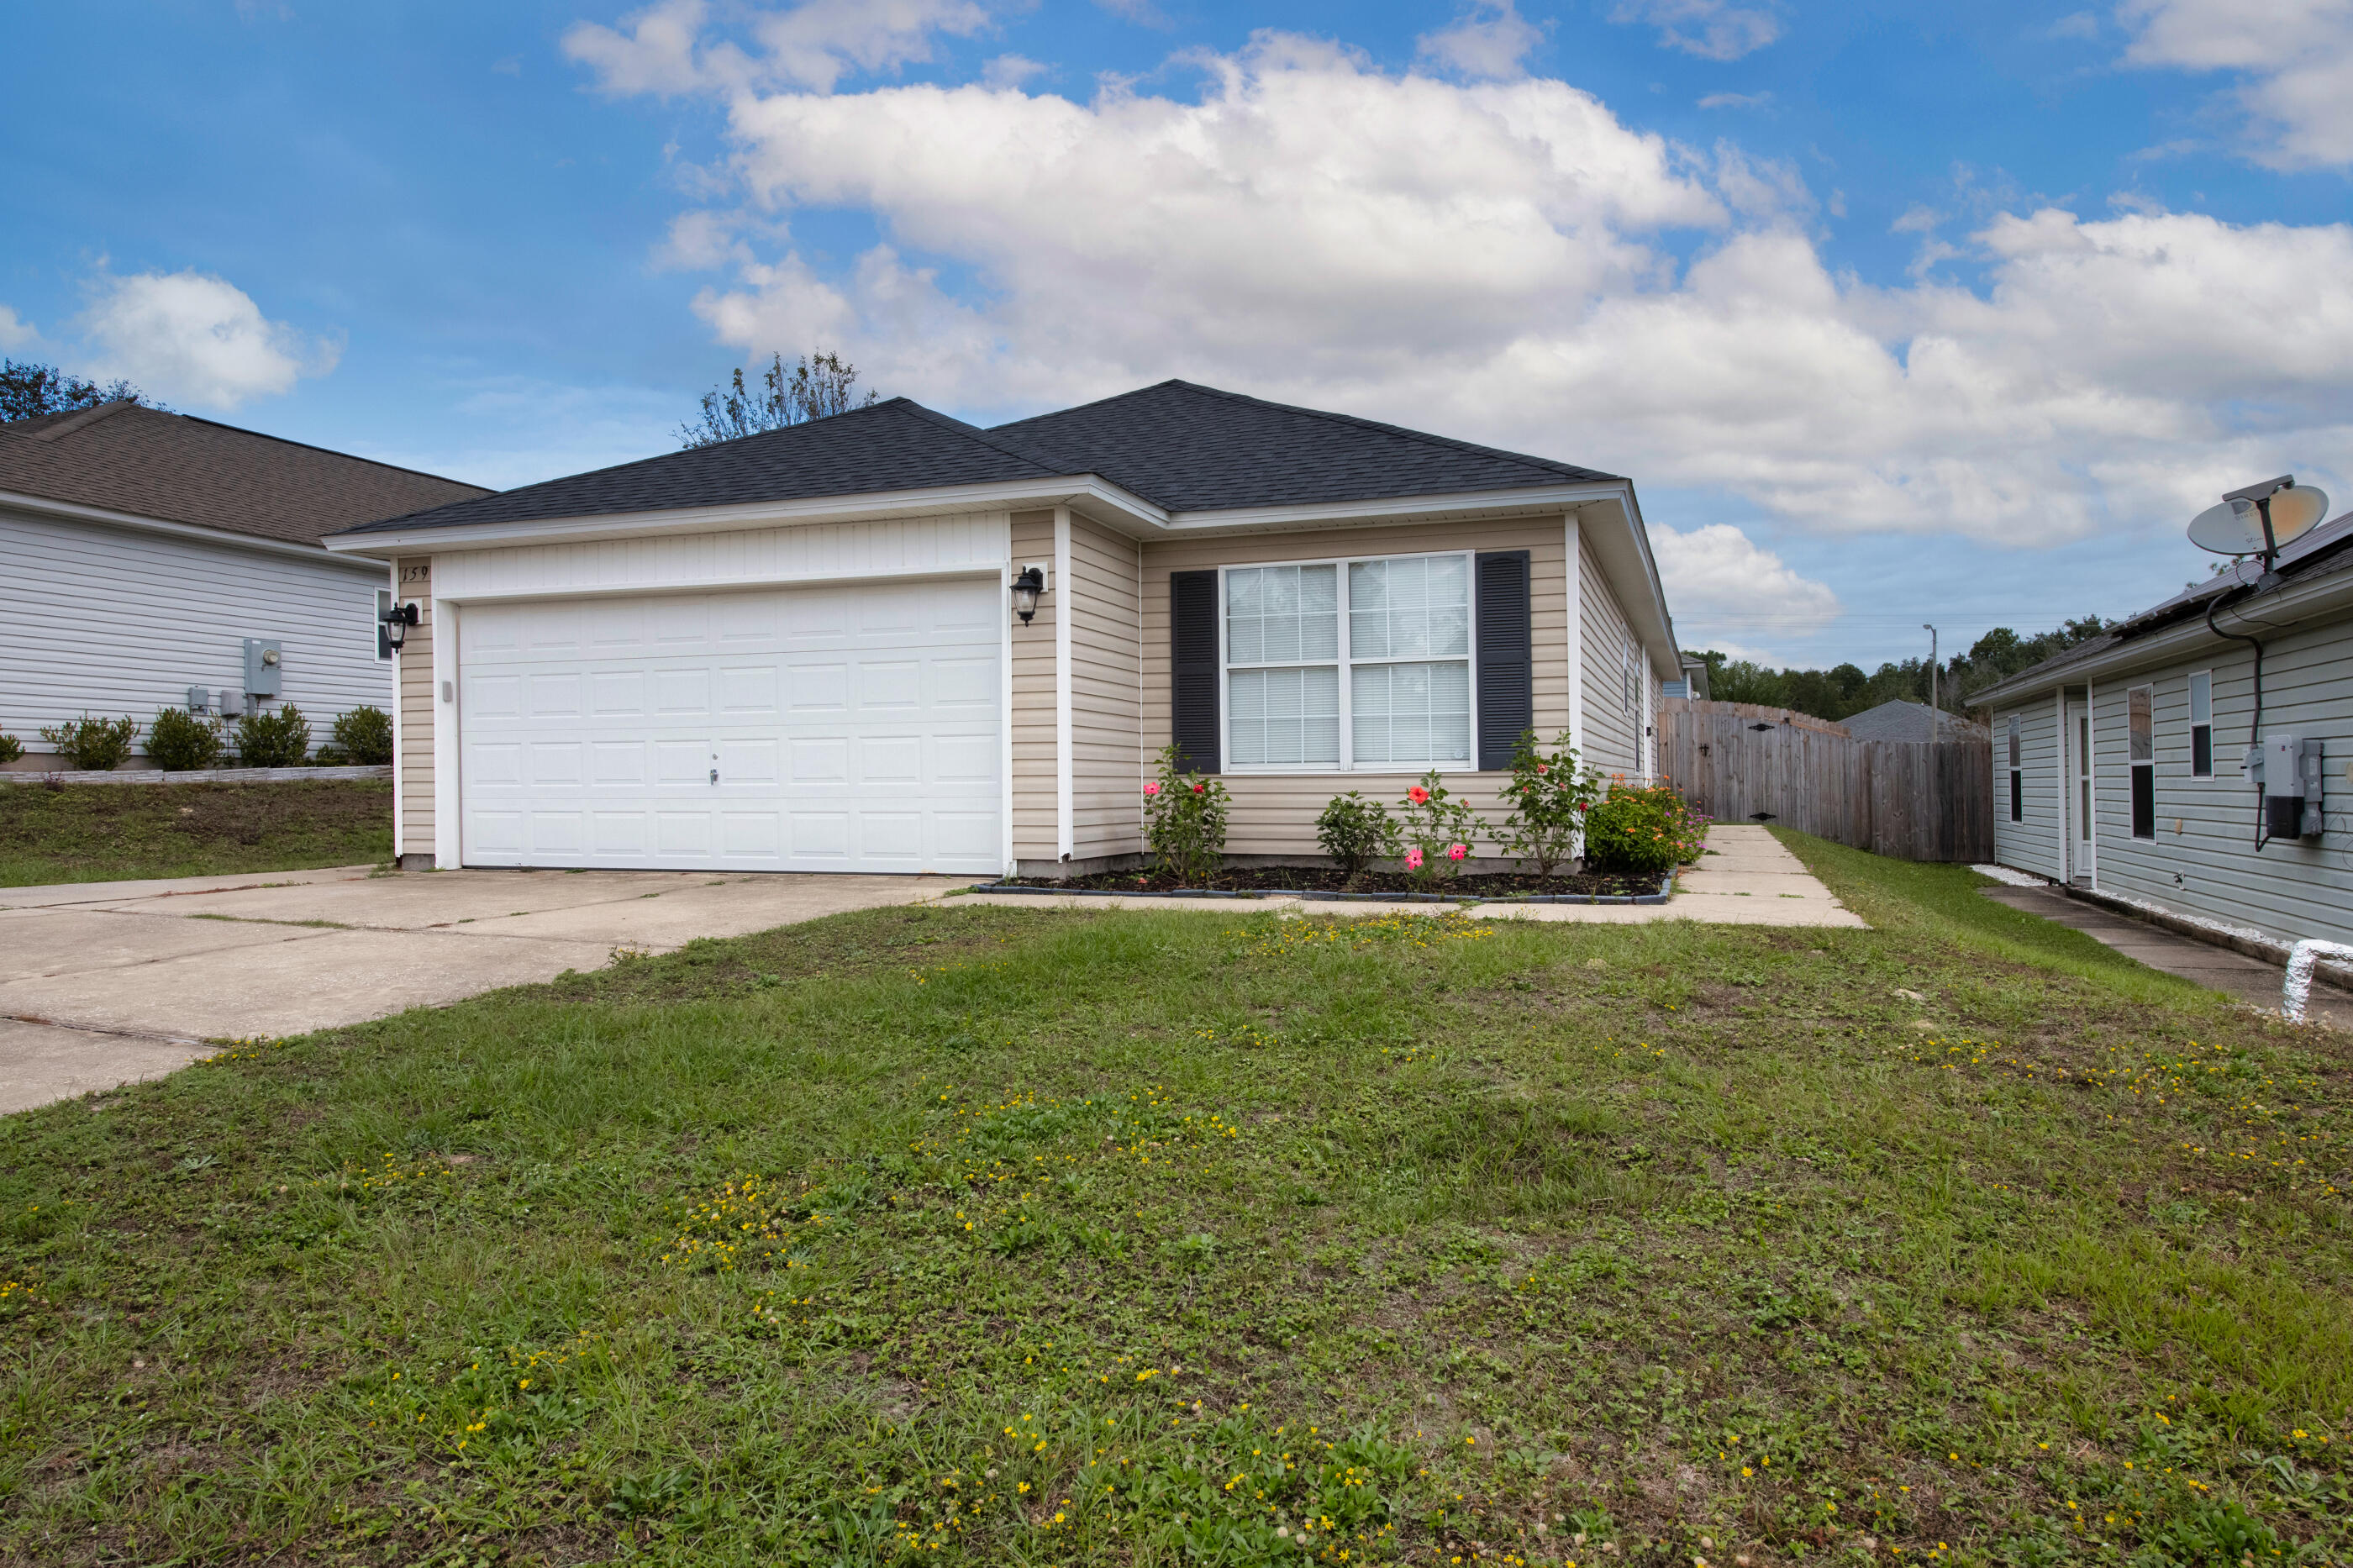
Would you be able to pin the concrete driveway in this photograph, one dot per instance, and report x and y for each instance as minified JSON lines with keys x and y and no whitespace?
{"x":102,"y":982}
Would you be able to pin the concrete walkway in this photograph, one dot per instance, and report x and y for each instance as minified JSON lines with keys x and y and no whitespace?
{"x":1747,"y":880}
{"x":102,"y":982}
{"x":2251,"y":980}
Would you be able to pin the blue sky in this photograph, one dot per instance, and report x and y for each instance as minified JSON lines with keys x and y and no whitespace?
{"x":1894,"y":313}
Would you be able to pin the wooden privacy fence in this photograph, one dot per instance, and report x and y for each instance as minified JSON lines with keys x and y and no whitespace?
{"x":1904,"y":799}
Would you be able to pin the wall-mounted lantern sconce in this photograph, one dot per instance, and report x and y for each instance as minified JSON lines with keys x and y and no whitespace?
{"x":397,"y":622}
{"x":1026,"y":589}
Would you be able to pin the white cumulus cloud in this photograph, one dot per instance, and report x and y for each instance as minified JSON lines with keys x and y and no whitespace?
{"x":189,"y":337}
{"x":662,"y":49}
{"x":1712,"y":29}
{"x":1716,"y":573}
{"x":2295,"y":59}
{"x":1511,"y":262}
{"x":1490,"y":40}
{"x":15,"y":332}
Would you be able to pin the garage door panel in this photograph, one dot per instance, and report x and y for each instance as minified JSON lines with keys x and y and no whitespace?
{"x":881,"y":685}
{"x":748,"y":691}
{"x":964,"y":683}
{"x":619,"y":834}
{"x":557,"y":764}
{"x":816,"y":688}
{"x":853,"y":728}
{"x":963,"y":759}
{"x":682,"y":693}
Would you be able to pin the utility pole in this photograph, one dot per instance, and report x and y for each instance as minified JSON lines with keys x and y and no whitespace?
{"x":1932,"y":681}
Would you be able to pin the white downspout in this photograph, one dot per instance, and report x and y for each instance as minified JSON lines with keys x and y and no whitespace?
{"x":1576,"y":636}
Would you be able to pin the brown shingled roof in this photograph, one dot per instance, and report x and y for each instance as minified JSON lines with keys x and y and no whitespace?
{"x":121,"y":456}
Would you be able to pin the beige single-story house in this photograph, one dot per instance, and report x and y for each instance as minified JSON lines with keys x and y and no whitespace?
{"x":798,"y":651}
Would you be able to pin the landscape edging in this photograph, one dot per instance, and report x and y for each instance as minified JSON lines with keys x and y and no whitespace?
{"x":1666,"y":892}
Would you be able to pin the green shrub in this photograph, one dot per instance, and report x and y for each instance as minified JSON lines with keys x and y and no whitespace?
{"x":279,"y":740}
{"x":179,"y":740}
{"x":93,"y":745}
{"x":1438,"y":830}
{"x":11,"y":748}
{"x":1355,"y":831}
{"x":1550,"y":795}
{"x":1642,"y":831}
{"x":1185,"y":822}
{"x":365,"y":736}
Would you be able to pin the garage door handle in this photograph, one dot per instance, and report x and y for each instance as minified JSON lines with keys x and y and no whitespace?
{"x":714,"y":775}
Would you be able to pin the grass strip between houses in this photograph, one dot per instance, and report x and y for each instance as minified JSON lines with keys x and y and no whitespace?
{"x":990,"y":1236}
{"x":108,"y":833}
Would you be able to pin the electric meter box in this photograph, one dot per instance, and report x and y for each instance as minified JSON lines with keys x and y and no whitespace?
{"x":2292,"y":786}
{"x":264,"y":667}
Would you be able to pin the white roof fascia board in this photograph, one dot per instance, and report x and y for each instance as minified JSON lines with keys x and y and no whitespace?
{"x":2290,"y":605}
{"x":1397,"y":509}
{"x":73,"y":511}
{"x":1084,"y":492}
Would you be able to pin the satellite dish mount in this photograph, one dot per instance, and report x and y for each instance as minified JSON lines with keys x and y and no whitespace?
{"x":2259,"y":520}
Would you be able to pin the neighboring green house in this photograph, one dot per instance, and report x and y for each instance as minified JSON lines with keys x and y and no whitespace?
{"x":2123,"y":764}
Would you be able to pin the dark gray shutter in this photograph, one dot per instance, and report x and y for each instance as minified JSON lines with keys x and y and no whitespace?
{"x":1193,"y":669}
{"x":1507,"y":704}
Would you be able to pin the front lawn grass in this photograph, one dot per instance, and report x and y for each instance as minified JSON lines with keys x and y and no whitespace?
{"x":105,"y":833}
{"x":982,"y":1236}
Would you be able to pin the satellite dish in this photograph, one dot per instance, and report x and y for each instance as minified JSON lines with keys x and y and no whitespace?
{"x":2236,"y":526}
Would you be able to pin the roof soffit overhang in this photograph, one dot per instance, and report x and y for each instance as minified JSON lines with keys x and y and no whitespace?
{"x":1084,"y":493}
{"x":74,"y":511}
{"x":2287,"y":610}
{"x":1614,"y":528}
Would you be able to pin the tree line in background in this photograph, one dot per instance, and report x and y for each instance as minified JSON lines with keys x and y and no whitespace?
{"x":28,"y":390}
{"x":1846,"y":689}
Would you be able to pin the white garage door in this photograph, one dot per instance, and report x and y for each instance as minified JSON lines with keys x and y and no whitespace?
{"x":836,"y":729}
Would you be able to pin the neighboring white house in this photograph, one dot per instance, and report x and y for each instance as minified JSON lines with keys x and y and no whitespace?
{"x":2121,"y":763}
{"x":143,"y":550}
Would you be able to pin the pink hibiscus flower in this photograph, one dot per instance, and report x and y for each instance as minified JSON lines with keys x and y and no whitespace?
{"x":1417,"y":794}
{"x":1152,"y":788}
{"x":1413,"y":859}
{"x":1456,"y":851}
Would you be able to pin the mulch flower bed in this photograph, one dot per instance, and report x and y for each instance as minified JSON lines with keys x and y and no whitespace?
{"x":1328,"y":881}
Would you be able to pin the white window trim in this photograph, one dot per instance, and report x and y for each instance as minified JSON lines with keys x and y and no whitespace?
{"x":2132,"y":765}
{"x":2191,"y":724}
{"x":1344,"y":664}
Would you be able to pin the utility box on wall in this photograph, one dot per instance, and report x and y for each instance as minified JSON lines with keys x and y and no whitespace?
{"x":265,"y":667}
{"x":2292,"y":786}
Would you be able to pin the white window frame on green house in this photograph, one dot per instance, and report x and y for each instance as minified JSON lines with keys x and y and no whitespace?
{"x":2201,"y":696}
{"x":1344,"y":662}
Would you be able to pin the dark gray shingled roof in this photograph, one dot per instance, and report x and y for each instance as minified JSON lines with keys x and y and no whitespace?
{"x":1181,"y":446}
{"x":2327,"y":550}
{"x":1195,"y":449}
{"x":1900,"y":721}
{"x":894,"y":446}
{"x":124,"y":458}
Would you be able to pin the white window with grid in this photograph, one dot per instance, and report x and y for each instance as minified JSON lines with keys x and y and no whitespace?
{"x":1393,"y":634}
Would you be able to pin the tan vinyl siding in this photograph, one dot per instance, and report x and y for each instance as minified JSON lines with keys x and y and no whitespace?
{"x":1104,"y":596}
{"x":415,"y":831}
{"x":1610,"y":732}
{"x":1032,"y":719}
{"x":1274,"y":814}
